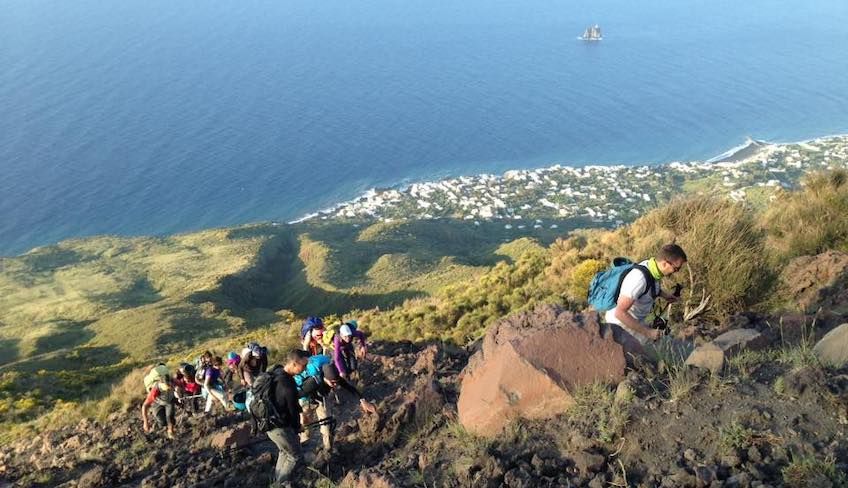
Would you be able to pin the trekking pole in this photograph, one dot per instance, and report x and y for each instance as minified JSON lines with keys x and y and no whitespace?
{"x":330,"y":421}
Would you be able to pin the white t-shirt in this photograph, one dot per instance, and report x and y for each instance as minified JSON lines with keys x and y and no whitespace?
{"x":634,"y":286}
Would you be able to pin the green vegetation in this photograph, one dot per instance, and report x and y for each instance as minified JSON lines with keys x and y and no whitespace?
{"x":601,"y":412}
{"x":807,"y":471}
{"x":810,"y":221}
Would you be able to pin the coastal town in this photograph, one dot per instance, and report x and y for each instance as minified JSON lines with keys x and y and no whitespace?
{"x":604,"y":195}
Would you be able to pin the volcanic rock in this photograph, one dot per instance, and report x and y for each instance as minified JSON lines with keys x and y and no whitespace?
{"x":832,"y":349}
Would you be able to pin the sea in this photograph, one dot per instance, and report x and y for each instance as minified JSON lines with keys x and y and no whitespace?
{"x":155,"y":117}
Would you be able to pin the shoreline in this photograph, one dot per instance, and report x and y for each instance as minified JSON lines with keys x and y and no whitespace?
{"x":736,"y":154}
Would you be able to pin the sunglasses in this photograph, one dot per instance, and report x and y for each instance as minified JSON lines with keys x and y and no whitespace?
{"x":675,"y":268}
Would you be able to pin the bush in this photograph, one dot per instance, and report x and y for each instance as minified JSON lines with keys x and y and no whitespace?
{"x":812,"y":220}
{"x":726,"y":250}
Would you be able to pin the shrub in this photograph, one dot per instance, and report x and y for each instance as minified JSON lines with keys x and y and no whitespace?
{"x":809,"y":471}
{"x":812,"y":220}
{"x":726,"y":250}
{"x":578,"y":283}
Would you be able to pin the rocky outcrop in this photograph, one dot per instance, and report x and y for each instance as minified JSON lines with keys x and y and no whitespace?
{"x":813,"y":283}
{"x":713,"y":355}
{"x":530,"y":365}
{"x":231,"y":438}
{"x":832,"y":349}
{"x":365,"y":480}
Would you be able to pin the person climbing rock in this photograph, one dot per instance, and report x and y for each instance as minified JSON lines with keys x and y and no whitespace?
{"x":312,"y":335}
{"x":639,"y":289}
{"x":316,"y":383}
{"x":254,"y":361}
{"x":213,"y":386}
{"x":346,"y":355}
{"x":160,"y":401}
{"x":282,"y":421}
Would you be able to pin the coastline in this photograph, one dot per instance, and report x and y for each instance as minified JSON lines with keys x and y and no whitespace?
{"x":737,"y":154}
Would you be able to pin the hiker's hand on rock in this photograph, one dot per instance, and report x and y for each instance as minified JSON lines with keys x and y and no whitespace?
{"x":654,"y":334}
{"x":367,"y":406}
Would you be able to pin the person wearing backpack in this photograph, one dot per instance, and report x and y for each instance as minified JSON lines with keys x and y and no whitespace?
{"x":160,"y":400}
{"x":346,"y":355}
{"x":638,"y":290}
{"x":314,"y":391}
{"x":274,"y":409}
{"x":312,"y":335}
{"x":254,"y":361}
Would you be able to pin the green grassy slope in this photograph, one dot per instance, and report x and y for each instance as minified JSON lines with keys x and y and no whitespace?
{"x":78,"y":316}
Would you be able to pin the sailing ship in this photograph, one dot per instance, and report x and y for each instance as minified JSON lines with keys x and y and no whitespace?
{"x":592,"y":33}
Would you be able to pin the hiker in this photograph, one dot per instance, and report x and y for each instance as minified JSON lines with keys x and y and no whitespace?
{"x":186,"y":388}
{"x":160,"y":400}
{"x":345,"y":355}
{"x":254,"y":360}
{"x":312,"y":335}
{"x":639,"y":289}
{"x":201,"y":365}
{"x":213,"y":386}
{"x":275,"y":410}
{"x":232,"y":378}
{"x":318,"y":380}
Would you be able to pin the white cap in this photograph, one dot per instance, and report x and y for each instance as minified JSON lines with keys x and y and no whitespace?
{"x":345,"y":331}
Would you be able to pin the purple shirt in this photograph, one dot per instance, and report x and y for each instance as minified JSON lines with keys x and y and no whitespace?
{"x":339,"y":345}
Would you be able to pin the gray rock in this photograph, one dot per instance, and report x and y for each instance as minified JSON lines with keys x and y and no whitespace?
{"x":740,"y":480}
{"x":754,"y":455}
{"x":730,"y":460}
{"x":712,"y":356}
{"x":92,"y":478}
{"x":832,"y":349}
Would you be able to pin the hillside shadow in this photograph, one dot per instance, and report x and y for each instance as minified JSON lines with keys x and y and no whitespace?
{"x":52,"y":257}
{"x":9,"y":351}
{"x":141,"y":292}
{"x":190,"y":327}
{"x":277,"y":280}
{"x":356,"y":250}
{"x":69,"y":334}
{"x":75,"y":360}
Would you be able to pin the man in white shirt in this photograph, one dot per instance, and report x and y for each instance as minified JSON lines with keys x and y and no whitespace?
{"x":636,"y":298}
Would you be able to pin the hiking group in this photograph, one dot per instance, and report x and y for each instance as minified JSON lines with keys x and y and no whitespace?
{"x":285,"y":402}
{"x":290,"y":399}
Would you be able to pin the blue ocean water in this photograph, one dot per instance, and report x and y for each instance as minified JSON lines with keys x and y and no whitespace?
{"x":154,"y":116}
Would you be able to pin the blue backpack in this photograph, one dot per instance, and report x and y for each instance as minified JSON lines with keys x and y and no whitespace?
{"x":606,"y":285}
{"x":313,"y":369}
{"x":310,"y":323}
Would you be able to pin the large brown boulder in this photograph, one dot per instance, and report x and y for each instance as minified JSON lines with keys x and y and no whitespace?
{"x":530,"y":365}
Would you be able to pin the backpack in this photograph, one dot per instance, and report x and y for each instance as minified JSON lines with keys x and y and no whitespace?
{"x":606,"y":285}
{"x":331,"y":332}
{"x":156,"y":374}
{"x":310,"y":323}
{"x":313,"y":369}
{"x":263,"y":411}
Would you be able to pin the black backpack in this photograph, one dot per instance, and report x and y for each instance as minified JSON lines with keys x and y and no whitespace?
{"x":263,"y":411}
